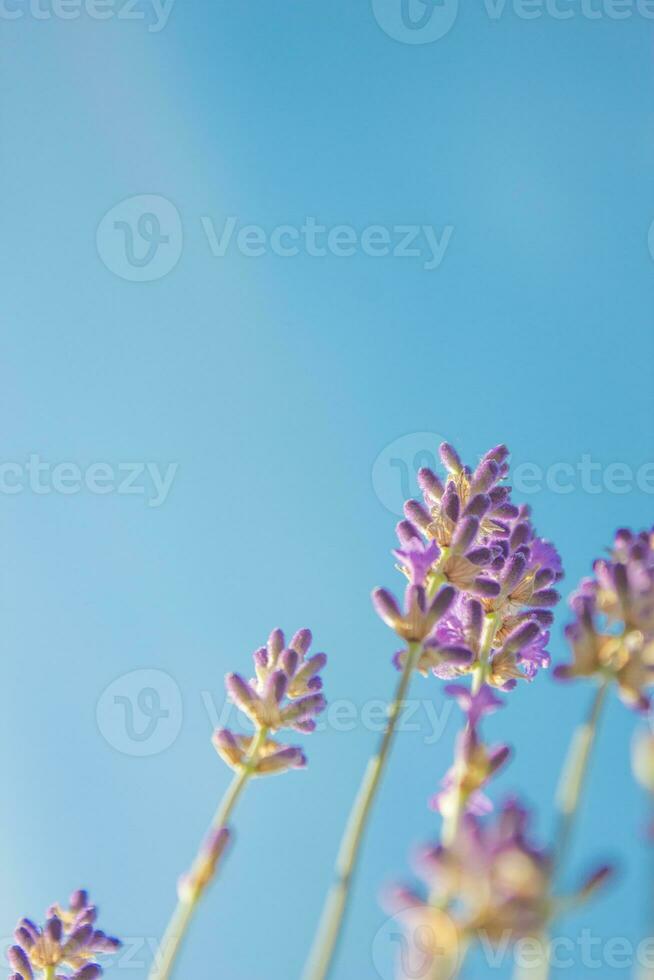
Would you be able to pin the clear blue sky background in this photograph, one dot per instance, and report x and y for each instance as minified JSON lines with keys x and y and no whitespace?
{"x":274,"y":383}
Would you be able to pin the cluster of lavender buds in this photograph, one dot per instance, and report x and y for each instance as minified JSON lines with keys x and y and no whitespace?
{"x":285,"y":693}
{"x":475,"y":763}
{"x":481,"y":582}
{"x":490,"y":883}
{"x":65,"y":948}
{"x":612,"y":636}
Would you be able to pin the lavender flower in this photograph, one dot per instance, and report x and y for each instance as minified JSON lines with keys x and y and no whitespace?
{"x":475,"y":765}
{"x":491,"y":883}
{"x":612,"y":636}
{"x":420,"y":614}
{"x":469,"y":534}
{"x":68,"y":942}
{"x":285,"y":693}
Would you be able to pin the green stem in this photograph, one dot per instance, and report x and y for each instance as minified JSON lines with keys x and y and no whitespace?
{"x":452,"y":820}
{"x":575,"y":774}
{"x":331,"y":922}
{"x":571,"y":786}
{"x":187,"y":903}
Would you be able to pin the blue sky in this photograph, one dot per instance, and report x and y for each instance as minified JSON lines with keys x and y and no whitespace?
{"x":516,"y":151}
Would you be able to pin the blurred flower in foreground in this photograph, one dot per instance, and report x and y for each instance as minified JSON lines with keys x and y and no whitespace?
{"x":490,"y":883}
{"x":68,"y":941}
{"x":285,"y":693}
{"x":612,"y":637}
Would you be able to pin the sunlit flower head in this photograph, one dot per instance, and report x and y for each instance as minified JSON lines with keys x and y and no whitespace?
{"x":68,"y":942}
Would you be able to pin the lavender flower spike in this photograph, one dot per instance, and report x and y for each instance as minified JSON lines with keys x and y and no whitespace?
{"x":285,"y":693}
{"x":490,"y":882}
{"x":68,"y":942}
{"x":612,"y":637}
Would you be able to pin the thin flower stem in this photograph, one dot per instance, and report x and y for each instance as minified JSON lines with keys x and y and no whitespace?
{"x":575,"y":774}
{"x":453,"y":819}
{"x":570,"y":790}
{"x":187,"y":903}
{"x":329,"y":930}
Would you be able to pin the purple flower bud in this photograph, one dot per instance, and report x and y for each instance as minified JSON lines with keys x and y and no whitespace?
{"x":499,"y":454}
{"x":450,"y":458}
{"x":407,"y":532}
{"x":19,"y":962}
{"x":286,"y":758}
{"x":275,"y":645}
{"x":416,"y":513}
{"x":465,"y":534}
{"x":289,"y":661}
{"x":477,"y":506}
{"x":506,"y":512}
{"x":241,"y":693}
{"x":301,"y":641}
{"x":386,"y":607}
{"x":484,"y":476}
{"x":442,"y":602}
{"x":89,"y":972}
{"x":451,"y":504}
{"x":430,"y":484}
{"x":479,"y":556}
{"x":486,"y":587}
{"x":545,"y":598}
{"x":521,"y":637}
{"x":79,"y":900}
{"x":513,"y":572}
{"x":53,"y":929}
{"x":519,"y":535}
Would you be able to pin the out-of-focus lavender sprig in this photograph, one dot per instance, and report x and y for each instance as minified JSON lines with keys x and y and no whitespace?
{"x":66,"y":946}
{"x":612,"y":642}
{"x":474,"y":765}
{"x":285,"y":693}
{"x":612,"y":636}
{"x":491,"y":883}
